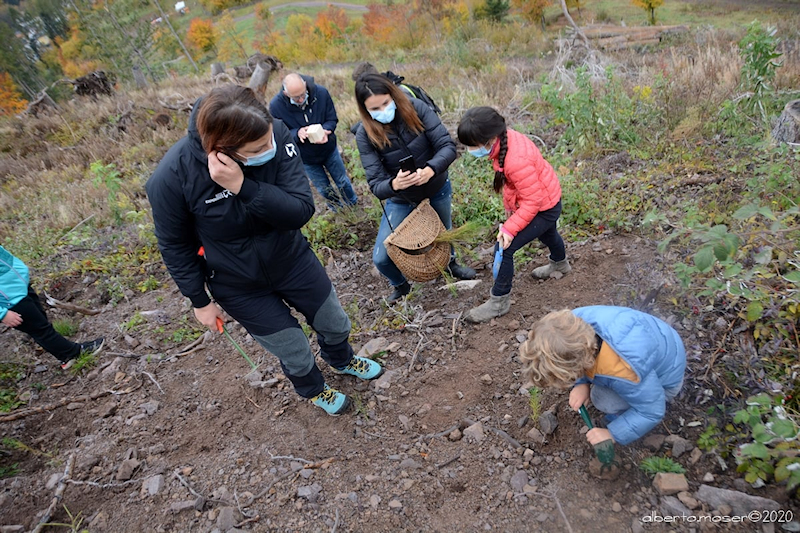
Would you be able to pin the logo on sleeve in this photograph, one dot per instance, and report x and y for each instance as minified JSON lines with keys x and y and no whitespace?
{"x":291,"y":150}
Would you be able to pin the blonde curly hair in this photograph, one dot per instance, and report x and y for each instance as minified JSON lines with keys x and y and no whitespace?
{"x":560,"y":348}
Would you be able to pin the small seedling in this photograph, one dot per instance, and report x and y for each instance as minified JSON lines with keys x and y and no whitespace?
{"x":84,"y":361}
{"x":9,"y":471}
{"x":75,"y":522}
{"x":535,"y":401}
{"x":65,"y":328}
{"x":654,"y":465}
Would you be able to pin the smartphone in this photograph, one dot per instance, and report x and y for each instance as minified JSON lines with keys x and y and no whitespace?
{"x":408,"y":164}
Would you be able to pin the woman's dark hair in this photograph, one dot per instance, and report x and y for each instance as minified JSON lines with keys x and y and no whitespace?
{"x":231,"y":116}
{"x":376,"y":84}
{"x":480,"y":125}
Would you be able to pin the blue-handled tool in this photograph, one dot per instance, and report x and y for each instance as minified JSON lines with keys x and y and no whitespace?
{"x":498,"y":259}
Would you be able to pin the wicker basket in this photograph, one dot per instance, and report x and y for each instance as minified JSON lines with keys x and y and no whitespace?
{"x":412,"y":248}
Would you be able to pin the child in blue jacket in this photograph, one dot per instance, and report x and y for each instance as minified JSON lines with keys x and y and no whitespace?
{"x":629,"y":363}
{"x":21,"y":309}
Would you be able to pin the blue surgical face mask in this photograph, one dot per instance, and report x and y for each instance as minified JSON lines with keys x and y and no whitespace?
{"x":480,"y":151}
{"x":263,"y":157}
{"x":301,"y":103}
{"x":386,"y":115}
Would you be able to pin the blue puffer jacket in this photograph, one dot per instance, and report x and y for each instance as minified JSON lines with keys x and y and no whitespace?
{"x":14,"y":280}
{"x":654,"y":352}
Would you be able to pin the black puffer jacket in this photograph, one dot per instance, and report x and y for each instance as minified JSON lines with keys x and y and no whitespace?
{"x":433,"y":148}
{"x":250,"y":239}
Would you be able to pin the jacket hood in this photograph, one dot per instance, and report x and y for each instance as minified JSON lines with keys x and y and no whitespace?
{"x":195,"y":144}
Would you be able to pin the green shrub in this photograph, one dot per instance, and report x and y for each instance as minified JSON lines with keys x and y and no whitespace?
{"x":773,"y":449}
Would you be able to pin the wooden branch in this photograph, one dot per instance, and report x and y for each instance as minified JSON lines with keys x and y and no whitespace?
{"x":62,"y":486}
{"x":52,"y":302}
{"x":574,"y":26}
{"x":22,"y":413}
{"x":194,"y":345}
{"x":76,"y":226}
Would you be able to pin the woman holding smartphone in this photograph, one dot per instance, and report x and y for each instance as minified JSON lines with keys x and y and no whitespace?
{"x":406,"y":151}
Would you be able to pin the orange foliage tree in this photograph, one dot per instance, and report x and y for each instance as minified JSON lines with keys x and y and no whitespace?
{"x":389,"y":24}
{"x":11,"y":101}
{"x":332,"y":23}
{"x":531,"y":10}
{"x":201,"y":35}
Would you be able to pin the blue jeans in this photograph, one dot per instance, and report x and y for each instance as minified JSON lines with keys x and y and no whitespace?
{"x":542,"y":227}
{"x":397,"y":212}
{"x":337,"y":197}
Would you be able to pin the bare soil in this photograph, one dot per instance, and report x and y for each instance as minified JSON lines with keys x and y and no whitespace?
{"x":229,"y":453}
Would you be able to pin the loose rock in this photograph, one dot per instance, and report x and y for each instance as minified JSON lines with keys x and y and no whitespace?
{"x":548,"y":422}
{"x":475,"y":432}
{"x":667,"y":483}
{"x":740,"y":503}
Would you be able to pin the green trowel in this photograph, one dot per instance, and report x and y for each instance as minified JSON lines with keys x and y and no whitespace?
{"x":604,"y":451}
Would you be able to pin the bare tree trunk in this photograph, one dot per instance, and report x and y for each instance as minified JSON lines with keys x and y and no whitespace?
{"x":259,"y":80}
{"x":135,"y":49}
{"x":175,"y":34}
{"x":139,"y":78}
{"x":787,"y":129}
{"x":572,"y":23}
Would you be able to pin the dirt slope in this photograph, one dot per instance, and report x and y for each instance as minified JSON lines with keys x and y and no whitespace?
{"x":203,"y":443}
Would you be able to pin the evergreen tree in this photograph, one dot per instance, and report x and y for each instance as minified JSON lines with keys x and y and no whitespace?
{"x":494,"y":10}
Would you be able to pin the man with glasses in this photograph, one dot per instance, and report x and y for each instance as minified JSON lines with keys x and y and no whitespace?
{"x":302,"y":105}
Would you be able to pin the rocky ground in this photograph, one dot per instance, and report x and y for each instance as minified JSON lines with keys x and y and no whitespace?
{"x":443,"y":441}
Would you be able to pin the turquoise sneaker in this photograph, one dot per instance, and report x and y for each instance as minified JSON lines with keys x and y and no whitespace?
{"x":332,"y":401}
{"x":362,"y":368}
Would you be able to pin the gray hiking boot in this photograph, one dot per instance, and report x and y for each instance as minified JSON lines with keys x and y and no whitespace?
{"x":493,"y":307}
{"x":544,"y":272}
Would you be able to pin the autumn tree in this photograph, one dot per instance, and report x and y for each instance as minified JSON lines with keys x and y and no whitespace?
{"x":649,"y":6}
{"x":389,"y":24}
{"x":332,"y":22}
{"x":263,"y":26}
{"x":119,"y":33}
{"x":11,"y":101}
{"x":231,"y":40}
{"x":201,"y":35}
{"x":532,"y":10}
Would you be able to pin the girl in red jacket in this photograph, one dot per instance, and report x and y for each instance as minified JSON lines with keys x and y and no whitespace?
{"x":531,"y":196}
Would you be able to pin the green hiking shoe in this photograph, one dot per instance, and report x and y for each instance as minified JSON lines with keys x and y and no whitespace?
{"x":362,"y":368}
{"x":331,"y":401}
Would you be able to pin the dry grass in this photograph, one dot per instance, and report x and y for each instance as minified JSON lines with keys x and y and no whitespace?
{"x":44,"y":169}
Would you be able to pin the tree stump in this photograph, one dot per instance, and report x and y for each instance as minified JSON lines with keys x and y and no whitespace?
{"x":94,"y":83}
{"x":41,"y":104}
{"x":217,"y":68}
{"x":260,"y":79}
{"x":138,"y":77}
{"x":787,"y":129}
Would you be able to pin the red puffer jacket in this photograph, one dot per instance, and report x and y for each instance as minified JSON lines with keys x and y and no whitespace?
{"x":531,"y":183}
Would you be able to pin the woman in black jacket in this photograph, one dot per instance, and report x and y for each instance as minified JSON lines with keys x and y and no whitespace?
{"x":393,"y":128}
{"x":228,"y":202}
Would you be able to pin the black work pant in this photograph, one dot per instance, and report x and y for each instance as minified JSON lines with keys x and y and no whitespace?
{"x":36,"y":324}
